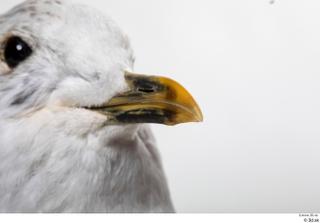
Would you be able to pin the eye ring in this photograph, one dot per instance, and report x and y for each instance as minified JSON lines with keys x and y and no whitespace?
{"x":15,"y":51}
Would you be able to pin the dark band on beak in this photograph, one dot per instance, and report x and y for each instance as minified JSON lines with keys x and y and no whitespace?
{"x":138,"y":115}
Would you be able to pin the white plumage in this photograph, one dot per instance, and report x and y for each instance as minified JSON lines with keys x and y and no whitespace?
{"x":55,"y":155}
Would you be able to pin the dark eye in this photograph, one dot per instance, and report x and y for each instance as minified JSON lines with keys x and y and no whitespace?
{"x":16,"y":50}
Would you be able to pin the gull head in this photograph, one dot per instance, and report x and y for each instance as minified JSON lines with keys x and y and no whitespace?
{"x":71,"y":111}
{"x":63,"y":58}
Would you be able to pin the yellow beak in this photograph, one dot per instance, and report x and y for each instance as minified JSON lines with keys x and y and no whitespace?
{"x":151,"y":99}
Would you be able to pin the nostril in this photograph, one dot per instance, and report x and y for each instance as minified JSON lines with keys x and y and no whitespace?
{"x":146,"y":90}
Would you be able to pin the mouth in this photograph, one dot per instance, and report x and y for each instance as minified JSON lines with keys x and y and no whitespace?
{"x":151,"y":99}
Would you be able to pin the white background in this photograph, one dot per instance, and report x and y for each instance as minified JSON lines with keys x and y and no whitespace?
{"x":254,"y":69}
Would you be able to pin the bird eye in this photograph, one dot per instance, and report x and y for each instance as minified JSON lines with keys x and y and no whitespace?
{"x":16,"y":50}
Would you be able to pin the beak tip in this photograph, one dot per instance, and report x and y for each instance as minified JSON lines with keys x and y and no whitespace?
{"x":200,"y":119}
{"x":199,"y":115}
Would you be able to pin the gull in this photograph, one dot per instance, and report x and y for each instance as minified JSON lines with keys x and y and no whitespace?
{"x":74,"y":133}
